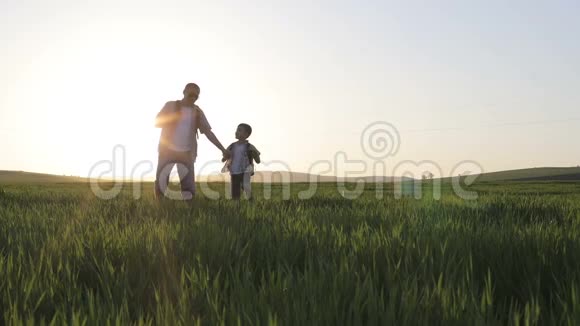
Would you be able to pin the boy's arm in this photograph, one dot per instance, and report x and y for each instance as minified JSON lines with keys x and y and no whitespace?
{"x":255,"y":154}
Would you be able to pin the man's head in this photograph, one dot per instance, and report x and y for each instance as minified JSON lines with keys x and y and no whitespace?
{"x":244,"y":131}
{"x":190,"y":93}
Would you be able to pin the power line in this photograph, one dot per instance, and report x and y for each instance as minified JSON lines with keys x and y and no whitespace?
{"x":493,"y":125}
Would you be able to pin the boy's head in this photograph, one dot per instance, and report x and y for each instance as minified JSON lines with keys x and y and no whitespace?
{"x":244,"y":131}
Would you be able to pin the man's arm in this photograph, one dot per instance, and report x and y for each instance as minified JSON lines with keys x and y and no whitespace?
{"x":165,"y":116}
{"x":205,"y":128}
{"x":213,"y":139}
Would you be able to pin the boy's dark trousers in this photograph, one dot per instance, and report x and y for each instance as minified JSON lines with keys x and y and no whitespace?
{"x":237,"y":185}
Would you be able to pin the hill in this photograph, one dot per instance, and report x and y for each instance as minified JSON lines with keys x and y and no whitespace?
{"x":298,"y":177}
{"x":533,"y":174}
{"x":21,"y":177}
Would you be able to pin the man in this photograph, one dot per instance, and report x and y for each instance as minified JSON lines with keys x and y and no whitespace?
{"x":179,"y":122}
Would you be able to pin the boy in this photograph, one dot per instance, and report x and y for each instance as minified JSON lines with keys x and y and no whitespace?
{"x":241,"y":162}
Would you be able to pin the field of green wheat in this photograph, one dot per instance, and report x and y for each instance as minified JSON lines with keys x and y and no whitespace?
{"x":510,"y":257}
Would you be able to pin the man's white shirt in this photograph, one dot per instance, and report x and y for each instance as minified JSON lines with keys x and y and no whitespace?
{"x":182,"y":136}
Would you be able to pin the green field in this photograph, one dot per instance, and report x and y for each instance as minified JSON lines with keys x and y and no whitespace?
{"x":510,"y":257}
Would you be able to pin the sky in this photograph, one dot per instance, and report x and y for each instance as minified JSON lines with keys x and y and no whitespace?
{"x":491,"y":82}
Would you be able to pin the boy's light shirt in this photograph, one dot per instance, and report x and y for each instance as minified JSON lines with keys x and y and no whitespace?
{"x":240,"y":160}
{"x":245,"y":166}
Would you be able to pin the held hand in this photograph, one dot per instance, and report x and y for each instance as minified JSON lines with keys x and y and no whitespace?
{"x":226,"y":155}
